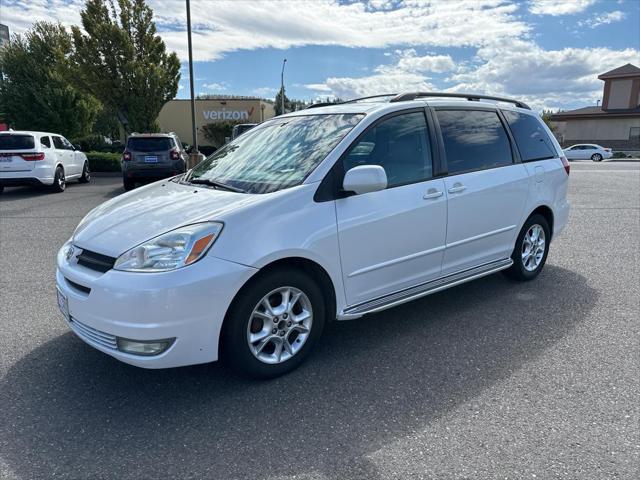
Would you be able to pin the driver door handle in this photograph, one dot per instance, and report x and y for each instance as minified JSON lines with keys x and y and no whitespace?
{"x":457,"y":188}
{"x":432,"y":193}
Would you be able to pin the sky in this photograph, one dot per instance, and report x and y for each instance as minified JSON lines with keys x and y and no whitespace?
{"x":545,"y":52}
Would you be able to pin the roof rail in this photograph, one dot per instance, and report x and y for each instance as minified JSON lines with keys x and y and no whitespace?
{"x":353,"y":100}
{"x":403,"y":97}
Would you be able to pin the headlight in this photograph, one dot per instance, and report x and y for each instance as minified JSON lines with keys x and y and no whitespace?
{"x":174,"y":249}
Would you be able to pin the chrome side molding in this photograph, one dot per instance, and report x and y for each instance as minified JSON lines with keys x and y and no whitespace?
{"x":422,"y":290}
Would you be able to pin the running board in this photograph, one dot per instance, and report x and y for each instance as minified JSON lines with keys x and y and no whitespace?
{"x":422,"y":290}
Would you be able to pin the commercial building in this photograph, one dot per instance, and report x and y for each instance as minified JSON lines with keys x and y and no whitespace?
{"x":615,"y":124}
{"x":175,"y":116}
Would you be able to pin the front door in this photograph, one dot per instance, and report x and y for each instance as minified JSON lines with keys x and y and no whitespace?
{"x":394,"y":238}
{"x":486,"y":191}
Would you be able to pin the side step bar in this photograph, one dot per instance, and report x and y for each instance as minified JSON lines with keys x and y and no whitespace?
{"x":422,"y":290}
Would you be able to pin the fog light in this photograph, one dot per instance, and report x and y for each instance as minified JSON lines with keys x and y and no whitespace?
{"x":144,"y":347}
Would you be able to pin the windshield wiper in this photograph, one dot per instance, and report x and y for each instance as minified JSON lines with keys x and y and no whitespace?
{"x":215,"y":184}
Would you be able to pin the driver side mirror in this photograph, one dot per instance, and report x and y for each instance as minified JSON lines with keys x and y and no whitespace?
{"x":77,"y":147}
{"x":365,"y":179}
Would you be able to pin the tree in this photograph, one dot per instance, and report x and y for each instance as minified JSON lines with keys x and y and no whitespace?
{"x":278,"y":103}
{"x":124,"y":63}
{"x":36,"y":92}
{"x":217,"y":132}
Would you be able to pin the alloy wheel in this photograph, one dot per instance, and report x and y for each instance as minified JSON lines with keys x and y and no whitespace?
{"x":533,"y":247}
{"x":279,"y":325}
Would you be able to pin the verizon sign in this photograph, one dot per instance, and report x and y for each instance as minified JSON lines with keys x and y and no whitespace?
{"x":225,"y":114}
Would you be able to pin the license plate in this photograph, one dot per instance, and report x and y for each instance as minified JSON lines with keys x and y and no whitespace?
{"x":63,"y":304}
{"x":6,"y":159}
{"x":150,"y":159}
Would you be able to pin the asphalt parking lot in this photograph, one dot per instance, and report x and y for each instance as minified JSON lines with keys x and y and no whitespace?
{"x":491,"y":379}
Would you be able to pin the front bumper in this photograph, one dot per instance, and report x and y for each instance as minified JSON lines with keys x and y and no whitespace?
{"x":188,"y":304}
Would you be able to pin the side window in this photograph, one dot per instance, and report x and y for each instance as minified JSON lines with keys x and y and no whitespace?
{"x":58,"y":143}
{"x":531,"y":138}
{"x":400,"y":145}
{"x":45,"y":142}
{"x":473,"y":140}
{"x":67,"y":144}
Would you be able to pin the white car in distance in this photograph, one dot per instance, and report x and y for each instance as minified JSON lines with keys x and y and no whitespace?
{"x":40,"y":158}
{"x":327,"y":213}
{"x":587,"y":151}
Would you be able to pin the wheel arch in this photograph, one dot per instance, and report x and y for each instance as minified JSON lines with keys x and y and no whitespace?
{"x":312,"y":268}
{"x":547,"y":213}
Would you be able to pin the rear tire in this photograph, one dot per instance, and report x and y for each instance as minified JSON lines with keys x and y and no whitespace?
{"x":128,"y":184}
{"x":596,"y":157}
{"x":531,"y":249}
{"x":59,"y":181}
{"x":86,"y":174}
{"x":266,"y":343}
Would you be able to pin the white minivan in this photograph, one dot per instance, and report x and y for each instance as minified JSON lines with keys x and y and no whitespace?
{"x":40,"y":158}
{"x":328,"y":213}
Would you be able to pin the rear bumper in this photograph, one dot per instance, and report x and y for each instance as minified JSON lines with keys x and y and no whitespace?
{"x":18,"y":182}
{"x":41,"y":174}
{"x":153,"y":172}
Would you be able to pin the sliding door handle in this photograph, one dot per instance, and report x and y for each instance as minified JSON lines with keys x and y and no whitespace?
{"x":432,"y":193}
{"x":457,"y":188}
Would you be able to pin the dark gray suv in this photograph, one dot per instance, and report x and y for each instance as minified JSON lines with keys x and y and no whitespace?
{"x":152,"y":156}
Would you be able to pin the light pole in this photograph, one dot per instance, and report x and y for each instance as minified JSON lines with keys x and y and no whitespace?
{"x":281,"y":87}
{"x":194,"y":150}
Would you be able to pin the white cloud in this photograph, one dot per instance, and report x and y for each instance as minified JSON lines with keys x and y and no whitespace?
{"x":215,"y":86}
{"x":542,"y":77}
{"x":257,"y":24}
{"x":604,"y":18}
{"x":265,"y":92}
{"x":411,"y":62}
{"x":559,"y":7}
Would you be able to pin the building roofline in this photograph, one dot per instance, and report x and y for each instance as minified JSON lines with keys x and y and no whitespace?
{"x":624,"y":71}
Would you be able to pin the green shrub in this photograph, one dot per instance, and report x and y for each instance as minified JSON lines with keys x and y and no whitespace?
{"x":90,"y":143}
{"x":104,"y":162}
{"x":619,"y":155}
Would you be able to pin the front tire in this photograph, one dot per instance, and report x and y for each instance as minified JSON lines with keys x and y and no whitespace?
{"x":273,"y":324}
{"x":86,"y":174}
{"x":128,"y":184}
{"x":596,"y":157}
{"x":531,"y":250}
{"x":59,"y":181}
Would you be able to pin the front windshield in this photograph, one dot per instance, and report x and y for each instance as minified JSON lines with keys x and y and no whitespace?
{"x":277,"y":154}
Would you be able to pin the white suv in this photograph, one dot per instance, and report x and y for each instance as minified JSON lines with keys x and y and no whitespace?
{"x":40,"y":158}
{"x":322,"y":214}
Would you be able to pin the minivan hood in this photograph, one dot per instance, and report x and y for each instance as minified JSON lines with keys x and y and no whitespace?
{"x":135,"y":217}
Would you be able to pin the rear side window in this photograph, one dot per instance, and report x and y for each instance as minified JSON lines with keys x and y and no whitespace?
{"x":400,"y":145}
{"x":473,"y":140}
{"x":45,"y":142}
{"x":149,"y":144}
{"x":17,"y":142}
{"x":531,"y":138}
{"x":59,"y":144}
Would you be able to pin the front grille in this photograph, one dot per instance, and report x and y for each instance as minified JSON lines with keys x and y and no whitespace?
{"x":92,"y":335}
{"x":96,"y":261}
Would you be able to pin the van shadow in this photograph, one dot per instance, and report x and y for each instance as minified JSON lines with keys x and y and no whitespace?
{"x":70,"y":410}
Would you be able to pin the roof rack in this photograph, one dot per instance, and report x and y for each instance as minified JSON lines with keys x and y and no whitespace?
{"x":326,"y":104}
{"x":403,"y":97}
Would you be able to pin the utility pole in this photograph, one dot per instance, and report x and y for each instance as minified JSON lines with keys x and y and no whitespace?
{"x":281,"y":87}
{"x":194,"y":156}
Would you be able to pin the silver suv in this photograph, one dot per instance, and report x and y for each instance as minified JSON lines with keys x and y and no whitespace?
{"x":152,"y":156}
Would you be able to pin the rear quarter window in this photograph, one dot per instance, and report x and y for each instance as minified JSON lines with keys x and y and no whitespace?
{"x":531,"y":137}
{"x":17,"y":142}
